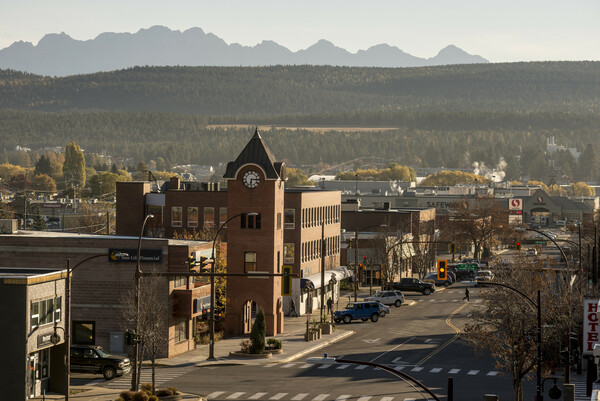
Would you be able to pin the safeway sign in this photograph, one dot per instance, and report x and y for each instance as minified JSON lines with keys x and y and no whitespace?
{"x":515,"y":204}
{"x":590,"y":325}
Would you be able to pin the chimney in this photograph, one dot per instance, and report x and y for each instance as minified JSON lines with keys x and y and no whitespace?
{"x":174,"y":183}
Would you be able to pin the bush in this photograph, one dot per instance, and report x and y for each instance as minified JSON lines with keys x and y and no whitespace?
{"x":257,"y":335}
{"x":245,"y":345}
{"x":141,"y":396}
{"x":163,"y":393}
{"x":274,"y":343}
{"x":147,"y":387}
{"x":126,"y":395}
{"x":153,"y":398}
{"x":134,"y":396}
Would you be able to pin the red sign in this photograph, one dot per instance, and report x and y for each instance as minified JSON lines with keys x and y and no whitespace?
{"x":591,"y":328}
{"x":515,"y":204}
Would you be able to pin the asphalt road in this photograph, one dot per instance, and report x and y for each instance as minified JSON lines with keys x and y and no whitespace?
{"x":419,"y":340}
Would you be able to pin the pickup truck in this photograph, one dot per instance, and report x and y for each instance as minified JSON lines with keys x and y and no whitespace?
{"x":415,"y":285}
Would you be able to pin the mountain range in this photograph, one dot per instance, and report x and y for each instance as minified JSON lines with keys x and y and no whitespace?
{"x":61,"y":55}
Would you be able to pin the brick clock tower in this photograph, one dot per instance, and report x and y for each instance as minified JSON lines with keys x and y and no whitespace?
{"x":255,"y":186}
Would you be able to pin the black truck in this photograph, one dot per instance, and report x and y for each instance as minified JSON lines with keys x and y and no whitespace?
{"x":414,"y":285}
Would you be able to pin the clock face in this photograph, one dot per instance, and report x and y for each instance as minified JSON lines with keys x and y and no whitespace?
{"x":251,"y":179}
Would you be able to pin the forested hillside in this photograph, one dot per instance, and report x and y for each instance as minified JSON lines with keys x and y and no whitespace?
{"x":448,"y":116}
{"x":267,"y":91}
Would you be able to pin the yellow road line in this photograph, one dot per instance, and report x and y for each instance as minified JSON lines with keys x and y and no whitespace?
{"x":456,"y":329}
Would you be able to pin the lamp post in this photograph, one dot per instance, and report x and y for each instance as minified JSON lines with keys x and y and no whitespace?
{"x":538,"y":307}
{"x":568,"y":281}
{"x":401,"y":375}
{"x":138,"y":277}
{"x":68,"y":316}
{"x":211,"y":320}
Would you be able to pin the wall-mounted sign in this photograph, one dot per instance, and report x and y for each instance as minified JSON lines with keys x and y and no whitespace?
{"x":130,"y":255}
{"x":591,"y":325}
{"x":47,"y":339}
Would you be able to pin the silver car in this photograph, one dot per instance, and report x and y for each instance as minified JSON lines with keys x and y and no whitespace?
{"x":388,"y":298}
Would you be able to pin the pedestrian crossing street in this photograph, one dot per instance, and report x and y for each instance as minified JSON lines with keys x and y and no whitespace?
{"x":225,"y":395}
{"x":405,"y":368}
{"x":163,"y":375}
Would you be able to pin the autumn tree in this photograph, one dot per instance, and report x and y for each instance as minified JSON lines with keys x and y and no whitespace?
{"x":295,"y":177}
{"x":582,"y":189}
{"x":74,"y":165}
{"x":556,"y":190}
{"x":481,"y":221}
{"x":105,"y":183}
{"x":450,"y":178}
{"x":43,"y":183}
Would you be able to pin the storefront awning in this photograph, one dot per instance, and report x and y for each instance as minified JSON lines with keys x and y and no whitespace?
{"x":314,"y":280}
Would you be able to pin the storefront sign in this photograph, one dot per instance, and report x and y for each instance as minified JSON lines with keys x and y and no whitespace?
{"x":47,"y":339}
{"x":591,"y":328}
{"x":130,"y":255}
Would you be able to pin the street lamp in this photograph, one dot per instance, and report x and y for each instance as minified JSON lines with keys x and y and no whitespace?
{"x":538,"y":308}
{"x":138,"y":277}
{"x":68,"y":315}
{"x":211,"y":320}
{"x":401,"y":375}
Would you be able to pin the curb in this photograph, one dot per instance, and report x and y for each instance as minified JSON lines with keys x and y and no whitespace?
{"x":316,"y":347}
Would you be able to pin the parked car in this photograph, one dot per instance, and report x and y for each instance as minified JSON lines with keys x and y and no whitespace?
{"x":93,"y":359}
{"x":433,"y":278}
{"x":384,"y":310}
{"x":413,"y":284}
{"x":387,"y":298}
{"x":561,"y":223}
{"x":483,"y":276}
{"x":451,"y":276}
{"x":358,"y":310}
{"x":532,"y":252}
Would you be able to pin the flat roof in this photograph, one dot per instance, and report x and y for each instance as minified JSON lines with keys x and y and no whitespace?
{"x":61,"y":234}
{"x":24,"y":276}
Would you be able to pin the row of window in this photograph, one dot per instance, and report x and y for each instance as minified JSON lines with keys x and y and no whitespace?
{"x":192,"y":216}
{"x":311,"y":250}
{"x":315,"y":216}
{"x":45,"y":312}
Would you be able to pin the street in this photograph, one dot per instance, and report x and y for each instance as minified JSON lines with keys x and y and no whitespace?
{"x":419,"y":340}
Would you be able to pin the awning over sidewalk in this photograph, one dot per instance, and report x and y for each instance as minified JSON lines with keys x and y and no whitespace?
{"x":314,"y":280}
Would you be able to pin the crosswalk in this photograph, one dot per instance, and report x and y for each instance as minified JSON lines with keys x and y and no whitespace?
{"x":241,"y":395}
{"x":405,"y":368}
{"x":580,"y":392}
{"x":163,"y":375}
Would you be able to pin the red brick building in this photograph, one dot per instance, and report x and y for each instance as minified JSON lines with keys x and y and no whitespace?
{"x":272,"y":229}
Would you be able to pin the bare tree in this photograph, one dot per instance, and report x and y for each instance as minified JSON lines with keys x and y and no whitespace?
{"x":153,"y":318}
{"x":506,"y":325}
{"x":481,"y":221}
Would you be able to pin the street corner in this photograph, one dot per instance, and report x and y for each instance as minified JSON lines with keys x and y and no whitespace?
{"x":309,"y":347}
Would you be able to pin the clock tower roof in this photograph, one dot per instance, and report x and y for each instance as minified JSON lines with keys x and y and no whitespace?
{"x":255,"y":152}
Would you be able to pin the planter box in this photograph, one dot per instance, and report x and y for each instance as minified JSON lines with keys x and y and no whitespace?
{"x":312,"y":335}
{"x":327,"y":328}
{"x":170,"y":398}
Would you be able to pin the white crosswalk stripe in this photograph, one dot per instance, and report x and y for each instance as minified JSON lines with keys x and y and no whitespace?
{"x":278,"y":396}
{"x":472,"y":372}
{"x":320,"y":397}
{"x":364,"y":398}
{"x":235,"y":396}
{"x":163,"y":375}
{"x":299,"y":397}
{"x":435,"y":370}
{"x":345,"y":366}
{"x":580,"y":392}
{"x":343,"y":397}
{"x":215,"y":394}
{"x":257,"y":396}
{"x":453,"y":371}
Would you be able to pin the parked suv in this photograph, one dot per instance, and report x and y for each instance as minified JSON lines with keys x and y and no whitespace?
{"x":358,"y":310}
{"x":387,"y":298}
{"x":93,"y":359}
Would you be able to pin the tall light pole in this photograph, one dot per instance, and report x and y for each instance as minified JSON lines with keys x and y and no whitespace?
{"x":211,"y":320}
{"x":356,"y":239}
{"x":68,"y":315}
{"x":538,"y":307}
{"x":138,"y":277}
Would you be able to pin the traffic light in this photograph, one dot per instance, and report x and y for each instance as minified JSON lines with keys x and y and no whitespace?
{"x":517,"y":246}
{"x":204,"y":314}
{"x":204,"y":261}
{"x":453,"y":248}
{"x":191,"y":262}
{"x":129,"y":337}
{"x":442,"y":270}
{"x":218,"y":314}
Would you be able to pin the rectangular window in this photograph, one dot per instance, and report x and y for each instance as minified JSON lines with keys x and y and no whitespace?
{"x":243,"y":220}
{"x":251,"y":221}
{"x":57,"y":308}
{"x":181,"y":331}
{"x":209,"y":217}
{"x":176,"y":214}
{"x":249,"y":261}
{"x":84,"y":332}
{"x":288,"y":252}
{"x":290,"y":219}
{"x":49,"y":313}
{"x":279,"y":221}
{"x":258,"y":221}
{"x":179,"y":281}
{"x":222,"y":215}
{"x":35,"y":314}
{"x":192,"y":217}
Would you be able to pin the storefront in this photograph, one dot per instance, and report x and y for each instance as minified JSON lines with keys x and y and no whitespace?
{"x":33,"y":299}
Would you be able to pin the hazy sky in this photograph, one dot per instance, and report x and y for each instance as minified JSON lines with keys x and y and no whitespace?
{"x":501,"y":31}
